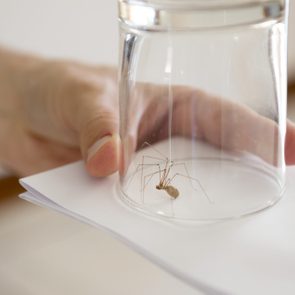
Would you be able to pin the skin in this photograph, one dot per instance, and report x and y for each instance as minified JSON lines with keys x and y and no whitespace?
{"x":55,"y":112}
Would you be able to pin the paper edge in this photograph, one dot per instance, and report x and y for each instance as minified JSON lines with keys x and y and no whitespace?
{"x":47,"y":203}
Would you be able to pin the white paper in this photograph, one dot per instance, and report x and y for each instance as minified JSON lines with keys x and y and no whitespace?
{"x":253,"y":255}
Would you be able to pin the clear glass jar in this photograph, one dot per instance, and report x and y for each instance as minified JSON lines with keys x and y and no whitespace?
{"x":202,"y":107}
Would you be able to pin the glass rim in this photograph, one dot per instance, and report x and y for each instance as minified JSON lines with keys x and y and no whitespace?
{"x":158,"y":15}
{"x":201,"y":3}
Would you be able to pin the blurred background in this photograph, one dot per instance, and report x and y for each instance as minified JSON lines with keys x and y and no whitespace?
{"x":80,"y":29}
{"x":42,"y":252}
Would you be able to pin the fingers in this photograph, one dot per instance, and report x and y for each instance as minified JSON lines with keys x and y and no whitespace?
{"x":94,"y":117}
{"x":142,"y":116}
{"x":99,"y":141}
{"x":233,"y":126}
{"x":25,"y":153}
{"x":290,"y":144}
{"x":223,"y":123}
{"x":67,"y":104}
{"x":78,"y":107}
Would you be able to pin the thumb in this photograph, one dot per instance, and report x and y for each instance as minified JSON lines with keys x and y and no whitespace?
{"x":97,"y":127}
{"x":290,"y":144}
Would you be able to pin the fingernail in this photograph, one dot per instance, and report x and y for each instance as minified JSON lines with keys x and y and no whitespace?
{"x":97,"y":146}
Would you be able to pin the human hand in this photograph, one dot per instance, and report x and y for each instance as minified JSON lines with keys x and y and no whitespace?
{"x":60,"y":111}
{"x":198,"y":115}
{"x":55,"y":112}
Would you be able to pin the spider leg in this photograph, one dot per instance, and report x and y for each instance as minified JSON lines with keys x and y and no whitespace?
{"x":194,"y":179}
{"x":154,"y":158}
{"x":145,"y":144}
{"x":139,"y":168}
{"x":142,"y":166}
{"x":151,"y":176}
{"x":146,"y":179}
{"x":186,"y":171}
{"x":142,"y":178}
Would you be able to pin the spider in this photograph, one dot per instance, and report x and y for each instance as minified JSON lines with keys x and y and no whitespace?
{"x":164,"y":170}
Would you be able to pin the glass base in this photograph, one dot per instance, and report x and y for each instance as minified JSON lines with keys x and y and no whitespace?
{"x":202,"y":188}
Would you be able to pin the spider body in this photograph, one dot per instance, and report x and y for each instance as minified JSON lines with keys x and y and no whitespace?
{"x":169,"y":189}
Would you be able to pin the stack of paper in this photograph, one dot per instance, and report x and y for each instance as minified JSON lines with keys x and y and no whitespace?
{"x":253,"y":255}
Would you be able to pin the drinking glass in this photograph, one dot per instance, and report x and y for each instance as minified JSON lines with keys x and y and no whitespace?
{"x":202,"y":91}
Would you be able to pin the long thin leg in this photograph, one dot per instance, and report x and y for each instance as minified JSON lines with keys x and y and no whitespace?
{"x":155,"y":158}
{"x":152,"y":147}
{"x":186,"y":171}
{"x":142,"y":166}
{"x":142,"y":185}
{"x":195,"y":179}
{"x":149,"y":176}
